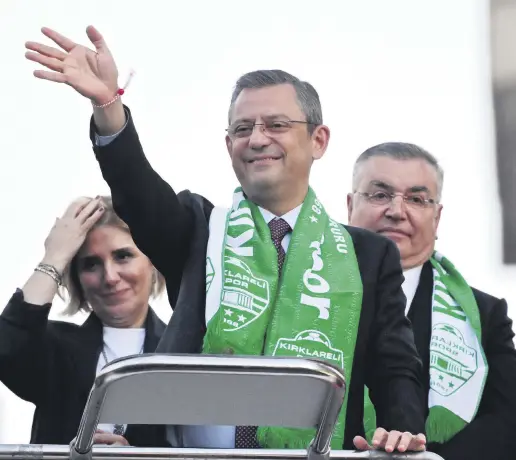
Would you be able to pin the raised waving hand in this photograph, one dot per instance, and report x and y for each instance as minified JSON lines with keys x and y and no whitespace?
{"x":91,"y":73}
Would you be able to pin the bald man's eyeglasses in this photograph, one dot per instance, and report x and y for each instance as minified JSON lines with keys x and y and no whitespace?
{"x":413,"y":200}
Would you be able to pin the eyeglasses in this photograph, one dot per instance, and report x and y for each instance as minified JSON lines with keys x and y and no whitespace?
{"x":269,"y":128}
{"x":381,"y":198}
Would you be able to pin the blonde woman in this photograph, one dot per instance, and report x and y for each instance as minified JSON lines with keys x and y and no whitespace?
{"x":52,"y":364}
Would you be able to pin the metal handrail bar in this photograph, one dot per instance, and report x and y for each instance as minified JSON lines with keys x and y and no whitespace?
{"x":99,"y":452}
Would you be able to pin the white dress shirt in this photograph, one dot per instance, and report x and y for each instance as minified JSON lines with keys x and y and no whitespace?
{"x":118,"y":343}
{"x":410,"y":285}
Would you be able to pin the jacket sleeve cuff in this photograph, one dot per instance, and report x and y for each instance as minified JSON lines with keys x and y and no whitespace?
{"x":25,"y":315}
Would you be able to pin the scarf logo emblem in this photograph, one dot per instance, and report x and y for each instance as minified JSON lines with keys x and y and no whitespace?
{"x":244,"y":296}
{"x":452,"y":362}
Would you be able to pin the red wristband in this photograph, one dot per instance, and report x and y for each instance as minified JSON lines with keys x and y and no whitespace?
{"x":119,"y":92}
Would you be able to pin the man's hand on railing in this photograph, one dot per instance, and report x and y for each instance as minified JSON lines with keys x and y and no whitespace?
{"x":391,"y":441}
{"x":110,"y":439}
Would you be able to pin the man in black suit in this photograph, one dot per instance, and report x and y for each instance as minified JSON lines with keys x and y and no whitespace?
{"x":227,"y":282}
{"x":463,"y":335}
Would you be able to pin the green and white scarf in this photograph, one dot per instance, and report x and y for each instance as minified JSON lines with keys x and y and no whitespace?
{"x":458,"y":366}
{"x":312,"y":311}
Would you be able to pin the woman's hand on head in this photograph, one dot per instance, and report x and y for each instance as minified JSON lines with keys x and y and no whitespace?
{"x":69,"y":231}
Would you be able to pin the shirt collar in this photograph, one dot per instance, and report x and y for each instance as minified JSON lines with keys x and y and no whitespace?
{"x":290,"y":217}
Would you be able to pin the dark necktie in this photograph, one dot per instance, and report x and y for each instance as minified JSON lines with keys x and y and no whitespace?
{"x":279,"y":228}
{"x":245,"y":436}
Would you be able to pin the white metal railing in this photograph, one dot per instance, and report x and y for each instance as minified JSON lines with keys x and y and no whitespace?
{"x":57,"y":452}
{"x":183,"y":390}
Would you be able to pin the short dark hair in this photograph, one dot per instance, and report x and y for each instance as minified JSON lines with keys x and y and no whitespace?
{"x":306,"y":94}
{"x":401,"y":151}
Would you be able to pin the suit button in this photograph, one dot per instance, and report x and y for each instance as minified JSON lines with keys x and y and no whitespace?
{"x":228,"y":351}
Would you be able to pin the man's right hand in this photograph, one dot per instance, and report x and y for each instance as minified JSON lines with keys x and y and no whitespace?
{"x":92,"y":74}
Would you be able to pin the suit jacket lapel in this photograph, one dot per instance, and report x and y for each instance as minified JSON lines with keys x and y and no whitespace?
{"x":149,"y":435}
{"x":186,"y":329}
{"x":88,"y":350}
{"x":154,"y":328}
